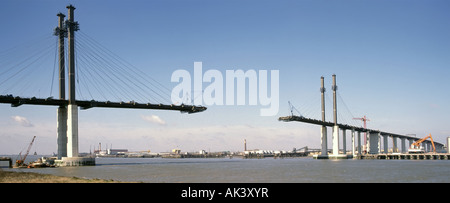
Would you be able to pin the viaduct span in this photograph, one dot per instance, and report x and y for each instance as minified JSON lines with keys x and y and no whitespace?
{"x":374,"y":137}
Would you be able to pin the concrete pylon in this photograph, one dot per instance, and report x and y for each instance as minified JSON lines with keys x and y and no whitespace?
{"x":335,"y":127}
{"x":323,"y":130}
{"x":72,"y":113}
{"x":60,"y":31}
{"x":335,"y":134}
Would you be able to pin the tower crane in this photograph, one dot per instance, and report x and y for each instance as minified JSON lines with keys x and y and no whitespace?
{"x":364,"y":120}
{"x":21,"y":161}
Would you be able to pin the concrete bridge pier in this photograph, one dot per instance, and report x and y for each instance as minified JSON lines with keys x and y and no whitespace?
{"x":395,"y":146}
{"x":344,"y":142}
{"x":359,"y":143}
{"x":354,"y":143}
{"x":411,"y":141}
{"x":335,"y":151}
{"x":448,"y":145}
{"x":323,"y":135}
{"x":72,"y":131}
{"x":385,"y":144}
{"x":403,"y":141}
{"x":374,"y":142}
{"x":62,"y":132}
{"x":324,"y":150}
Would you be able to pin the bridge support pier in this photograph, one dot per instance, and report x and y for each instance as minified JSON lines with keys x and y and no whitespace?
{"x":324,"y":151}
{"x":353,"y":143}
{"x":411,"y":141}
{"x":448,"y":145}
{"x":335,"y":140}
{"x":323,"y":135}
{"x":72,"y":131}
{"x":335,"y":153}
{"x":374,"y":143}
{"x":403,"y":141}
{"x":344,"y":141}
{"x":62,"y":132}
{"x":395,"y":146}
{"x":359,"y":143}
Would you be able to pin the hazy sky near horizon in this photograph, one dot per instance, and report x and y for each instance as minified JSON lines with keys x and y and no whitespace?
{"x":391,"y":59}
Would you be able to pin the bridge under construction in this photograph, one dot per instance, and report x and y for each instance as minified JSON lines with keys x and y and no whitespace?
{"x":373,"y":140}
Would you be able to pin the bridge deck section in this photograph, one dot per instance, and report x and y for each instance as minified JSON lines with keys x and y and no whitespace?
{"x":344,"y":126}
{"x":18,"y":101}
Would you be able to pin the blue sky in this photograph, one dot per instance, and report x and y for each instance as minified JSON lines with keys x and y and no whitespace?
{"x":391,"y":59}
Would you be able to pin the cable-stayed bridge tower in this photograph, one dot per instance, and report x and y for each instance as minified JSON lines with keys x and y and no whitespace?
{"x":61,"y":32}
{"x":373,"y":137}
{"x":67,"y":112}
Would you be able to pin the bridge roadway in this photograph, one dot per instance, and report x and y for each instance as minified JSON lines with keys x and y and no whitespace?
{"x":18,"y":101}
{"x":349,"y":127}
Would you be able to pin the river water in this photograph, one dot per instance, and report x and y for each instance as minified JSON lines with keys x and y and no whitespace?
{"x":268,"y":170}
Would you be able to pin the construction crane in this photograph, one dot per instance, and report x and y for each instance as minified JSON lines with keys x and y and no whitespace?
{"x":415,"y":147}
{"x":21,"y":161}
{"x":364,"y":120}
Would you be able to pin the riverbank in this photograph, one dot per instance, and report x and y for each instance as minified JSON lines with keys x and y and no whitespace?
{"x":29,"y":177}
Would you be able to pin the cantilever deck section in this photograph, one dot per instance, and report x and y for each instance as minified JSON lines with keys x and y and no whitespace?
{"x":318,"y":122}
{"x":18,"y":101}
{"x":348,"y":127}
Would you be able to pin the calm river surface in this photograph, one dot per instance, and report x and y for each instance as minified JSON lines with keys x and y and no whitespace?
{"x":268,"y":170}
